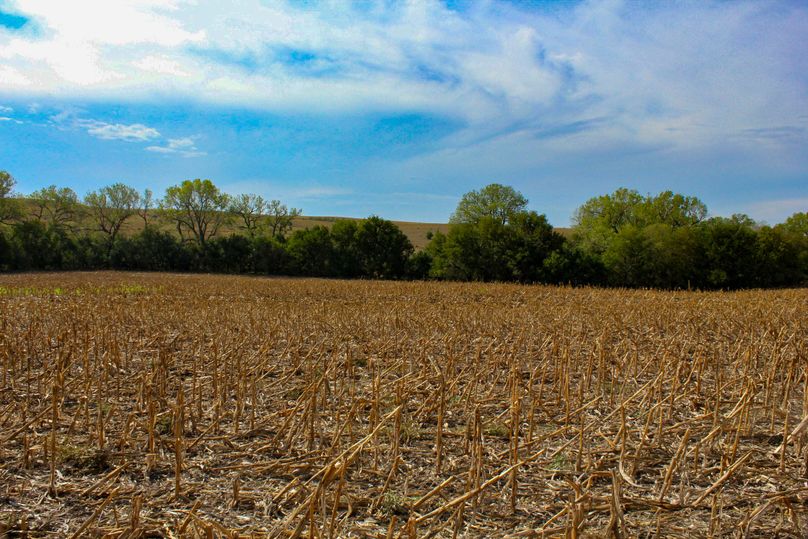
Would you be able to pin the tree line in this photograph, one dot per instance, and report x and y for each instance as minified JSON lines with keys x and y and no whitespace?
{"x":620,"y":239}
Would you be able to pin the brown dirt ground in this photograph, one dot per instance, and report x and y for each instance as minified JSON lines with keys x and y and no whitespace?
{"x":221,"y":406}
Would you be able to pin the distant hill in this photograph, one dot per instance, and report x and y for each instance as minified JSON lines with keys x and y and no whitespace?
{"x":416,"y":232}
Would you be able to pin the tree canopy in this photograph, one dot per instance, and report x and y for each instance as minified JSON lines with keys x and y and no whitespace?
{"x":620,"y":239}
{"x":146,"y":205}
{"x":112,"y":206}
{"x":499,"y":202}
{"x":57,"y":206}
{"x":382,"y":248}
{"x":10,"y":207}
{"x":198,"y":208}
{"x":6,"y":184}
{"x":280,"y":218}
{"x":494,"y":237}
{"x":797,"y":224}
{"x":249,"y":209}
{"x":600,"y":219}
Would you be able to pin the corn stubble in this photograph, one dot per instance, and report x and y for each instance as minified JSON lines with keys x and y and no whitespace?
{"x":138,"y":405}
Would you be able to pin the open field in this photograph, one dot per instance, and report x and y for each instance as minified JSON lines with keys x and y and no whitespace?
{"x":139,"y":405}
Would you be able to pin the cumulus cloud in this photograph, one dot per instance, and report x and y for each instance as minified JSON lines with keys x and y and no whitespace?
{"x":185,"y":147}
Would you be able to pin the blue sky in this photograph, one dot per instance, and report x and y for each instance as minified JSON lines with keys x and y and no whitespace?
{"x":397,"y":108}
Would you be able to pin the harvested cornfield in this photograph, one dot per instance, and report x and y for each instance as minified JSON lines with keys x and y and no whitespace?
{"x":138,"y":405}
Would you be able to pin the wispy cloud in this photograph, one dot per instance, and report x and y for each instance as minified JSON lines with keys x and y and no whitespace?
{"x":73,"y":118}
{"x":185,"y":147}
{"x":684,"y":75}
{"x":779,"y":133}
{"x":127,"y":133}
{"x":8,"y":110}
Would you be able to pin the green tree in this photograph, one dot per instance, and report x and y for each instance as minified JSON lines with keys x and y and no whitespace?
{"x":674,"y":256}
{"x":494,"y":237}
{"x":146,"y":205}
{"x":7,"y":183}
{"x":10,"y":207}
{"x":796,"y":224}
{"x":778,"y":258}
{"x":112,"y":206}
{"x":228,"y":254}
{"x":56,"y":206}
{"x":312,"y":252}
{"x":249,"y":209}
{"x":44,"y":246}
{"x":347,"y":262}
{"x":628,"y":257}
{"x":198,"y":208}
{"x":151,"y":250}
{"x":641,"y":240}
{"x":669,"y":208}
{"x":492,"y":251}
{"x":599,"y":219}
{"x":795,"y":230}
{"x":499,"y":202}
{"x":530,"y":240}
{"x":9,"y":253}
{"x":610,"y":211}
{"x":729,"y":250}
{"x":280,"y":218}
{"x":269,"y":256}
{"x":383,"y":248}
{"x":573,"y":265}
{"x":419,"y":265}
{"x":459,"y":254}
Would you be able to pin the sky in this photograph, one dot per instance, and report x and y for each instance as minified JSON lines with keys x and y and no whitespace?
{"x":397,"y":108}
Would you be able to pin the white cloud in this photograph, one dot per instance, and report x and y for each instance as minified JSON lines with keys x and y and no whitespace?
{"x":185,"y":147}
{"x":681,"y":75}
{"x":75,"y":51}
{"x":12,"y":79}
{"x":128,"y":133}
{"x":162,"y":65}
{"x":8,"y":110}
